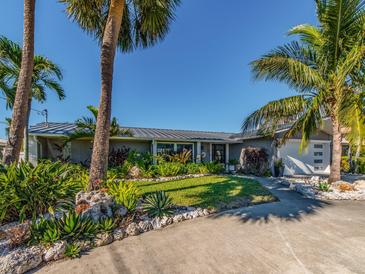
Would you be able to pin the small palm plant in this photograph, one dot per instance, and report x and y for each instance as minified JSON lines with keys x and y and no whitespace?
{"x":158,"y":204}
{"x":86,"y":127}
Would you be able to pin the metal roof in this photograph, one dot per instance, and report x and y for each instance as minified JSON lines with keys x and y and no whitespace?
{"x":64,"y":129}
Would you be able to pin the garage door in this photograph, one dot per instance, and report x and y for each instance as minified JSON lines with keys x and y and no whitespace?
{"x":314,"y":160}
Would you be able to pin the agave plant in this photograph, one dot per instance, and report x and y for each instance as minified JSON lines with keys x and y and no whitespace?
{"x":73,"y":251}
{"x":106,"y":225}
{"x":158,"y":204}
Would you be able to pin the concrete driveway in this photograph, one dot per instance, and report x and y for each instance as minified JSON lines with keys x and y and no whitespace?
{"x":295,"y":235}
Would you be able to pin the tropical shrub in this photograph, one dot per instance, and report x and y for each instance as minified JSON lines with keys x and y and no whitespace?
{"x":254,"y":161}
{"x":195,"y":168}
{"x":27,"y":191}
{"x":182,"y":158}
{"x":214,"y":168}
{"x":117,"y":157}
{"x":361,"y":165}
{"x":324,"y":186}
{"x":125,"y":193}
{"x":170,"y":169}
{"x":73,"y":251}
{"x":158,"y":204}
{"x":142,"y":160}
{"x":345,"y":164}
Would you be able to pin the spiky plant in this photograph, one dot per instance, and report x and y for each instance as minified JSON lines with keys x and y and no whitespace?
{"x":158,"y":204}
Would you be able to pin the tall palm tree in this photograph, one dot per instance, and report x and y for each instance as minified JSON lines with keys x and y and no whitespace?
{"x":123,"y":24}
{"x":323,"y":66}
{"x":46,"y":76}
{"x":86,"y":127}
{"x":23,"y":91}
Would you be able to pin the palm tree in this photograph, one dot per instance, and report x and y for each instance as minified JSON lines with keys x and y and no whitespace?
{"x":123,"y":24}
{"x":323,"y":66}
{"x":46,"y":75}
{"x":86,"y":127}
{"x":23,"y":90}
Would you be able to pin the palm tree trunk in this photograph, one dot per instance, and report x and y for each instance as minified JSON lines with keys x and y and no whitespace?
{"x":26,"y":133}
{"x":23,"y":91}
{"x":99,"y":159}
{"x":335,"y":173}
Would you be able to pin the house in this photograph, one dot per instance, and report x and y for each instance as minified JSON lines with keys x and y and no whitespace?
{"x":47,"y":139}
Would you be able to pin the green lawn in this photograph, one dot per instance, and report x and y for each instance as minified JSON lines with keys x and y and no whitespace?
{"x":211,"y":191}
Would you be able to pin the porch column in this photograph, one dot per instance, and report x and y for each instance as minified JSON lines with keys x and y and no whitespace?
{"x":198,"y":152}
{"x":227,"y":155}
{"x":154,"y":151}
{"x":210,"y":152}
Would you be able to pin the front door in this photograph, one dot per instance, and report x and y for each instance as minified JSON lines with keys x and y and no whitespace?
{"x":219,"y":154}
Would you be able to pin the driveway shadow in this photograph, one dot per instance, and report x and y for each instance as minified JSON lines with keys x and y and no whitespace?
{"x":290,"y":207}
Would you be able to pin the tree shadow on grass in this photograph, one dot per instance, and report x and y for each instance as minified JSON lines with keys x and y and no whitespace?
{"x":221,"y":192}
{"x":291,"y":207}
{"x":231,"y":193}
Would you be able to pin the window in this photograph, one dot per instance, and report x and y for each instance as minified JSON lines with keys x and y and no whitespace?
{"x":219,"y":154}
{"x":184,"y":147}
{"x":165,"y":149}
{"x":318,"y":146}
{"x":318,"y":161}
{"x":173,"y":148}
{"x":318,"y":153}
{"x":180,"y":148}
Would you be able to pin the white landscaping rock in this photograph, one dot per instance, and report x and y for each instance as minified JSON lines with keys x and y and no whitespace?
{"x":85,"y":245}
{"x":55,"y":252}
{"x":133,"y":229}
{"x":156,"y":223}
{"x":119,"y":234}
{"x":103,"y":239}
{"x":21,"y":260}
{"x":165,"y":221}
{"x":95,"y":204}
{"x":178,"y":218}
{"x":359,"y":184}
{"x":145,"y":226}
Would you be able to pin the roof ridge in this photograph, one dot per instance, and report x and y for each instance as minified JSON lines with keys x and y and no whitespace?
{"x":133,"y":127}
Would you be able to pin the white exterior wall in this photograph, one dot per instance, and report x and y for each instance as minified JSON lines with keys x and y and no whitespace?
{"x":304,"y":164}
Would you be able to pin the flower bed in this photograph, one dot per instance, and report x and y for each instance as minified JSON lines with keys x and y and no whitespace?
{"x":19,"y":257}
{"x":316,"y":188}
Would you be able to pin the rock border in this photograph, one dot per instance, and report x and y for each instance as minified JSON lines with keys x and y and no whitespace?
{"x":25,"y":258}
{"x":309,"y":189}
{"x":165,"y":179}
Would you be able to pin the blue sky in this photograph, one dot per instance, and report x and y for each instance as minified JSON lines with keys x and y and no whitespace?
{"x":197,"y":78}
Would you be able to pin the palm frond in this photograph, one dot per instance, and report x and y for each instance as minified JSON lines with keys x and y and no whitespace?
{"x":291,"y":64}
{"x":310,"y":35}
{"x":276,"y":112}
{"x":144,"y":23}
